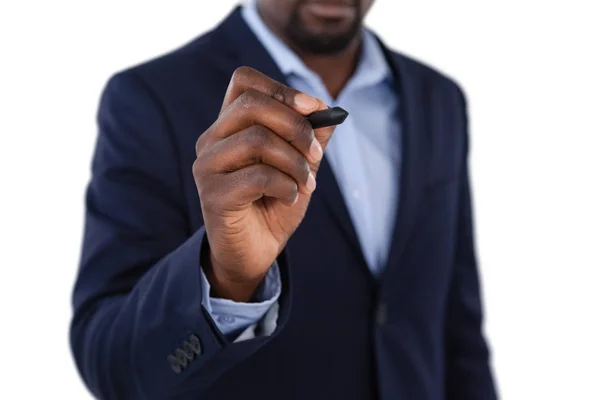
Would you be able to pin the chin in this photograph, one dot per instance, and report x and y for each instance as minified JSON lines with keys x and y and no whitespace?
{"x":323,"y":31}
{"x":322,"y":41}
{"x":326,"y":45}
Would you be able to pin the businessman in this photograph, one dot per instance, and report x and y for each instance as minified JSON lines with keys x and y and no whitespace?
{"x":233,"y":252}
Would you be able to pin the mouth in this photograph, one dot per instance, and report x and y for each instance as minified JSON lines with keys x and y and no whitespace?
{"x":330,"y":10}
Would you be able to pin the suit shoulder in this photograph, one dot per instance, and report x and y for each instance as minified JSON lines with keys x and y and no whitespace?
{"x":431,"y":76}
{"x":201,"y":57}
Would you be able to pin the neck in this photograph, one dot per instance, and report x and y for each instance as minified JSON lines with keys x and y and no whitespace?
{"x":334,"y":70}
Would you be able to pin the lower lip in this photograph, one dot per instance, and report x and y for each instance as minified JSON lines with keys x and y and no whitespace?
{"x":330,"y":11}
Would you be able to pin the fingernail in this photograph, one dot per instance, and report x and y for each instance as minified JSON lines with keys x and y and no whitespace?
{"x":311,"y":183}
{"x":305,"y":102}
{"x":316,"y":151}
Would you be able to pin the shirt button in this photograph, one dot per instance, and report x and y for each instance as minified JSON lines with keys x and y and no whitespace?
{"x":356,"y":194}
{"x":226,"y":319}
{"x":381,"y":313}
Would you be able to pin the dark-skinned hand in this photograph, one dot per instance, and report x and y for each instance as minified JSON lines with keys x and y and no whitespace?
{"x":255,"y":171}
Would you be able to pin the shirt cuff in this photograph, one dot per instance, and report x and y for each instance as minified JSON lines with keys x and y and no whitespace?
{"x":231,"y":316}
{"x":265,"y":327}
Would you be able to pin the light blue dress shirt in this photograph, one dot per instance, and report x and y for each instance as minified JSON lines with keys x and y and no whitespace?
{"x":364,"y":154}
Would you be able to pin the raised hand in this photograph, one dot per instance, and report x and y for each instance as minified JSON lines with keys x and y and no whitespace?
{"x":255,"y":171}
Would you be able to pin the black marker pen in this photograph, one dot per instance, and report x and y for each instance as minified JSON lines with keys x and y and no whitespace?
{"x":328,"y":117}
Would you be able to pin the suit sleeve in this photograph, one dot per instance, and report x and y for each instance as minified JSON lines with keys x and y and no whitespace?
{"x":468,"y":371}
{"x":233,"y":317}
{"x":139,"y":329}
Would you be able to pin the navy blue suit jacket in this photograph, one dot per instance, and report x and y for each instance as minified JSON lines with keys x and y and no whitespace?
{"x":415,"y":334}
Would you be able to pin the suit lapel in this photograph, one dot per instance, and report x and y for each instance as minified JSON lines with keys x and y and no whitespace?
{"x":247,"y":49}
{"x":412,"y":106}
{"x":250,"y":52}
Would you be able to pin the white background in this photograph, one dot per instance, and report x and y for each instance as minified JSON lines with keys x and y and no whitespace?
{"x":531,"y":71}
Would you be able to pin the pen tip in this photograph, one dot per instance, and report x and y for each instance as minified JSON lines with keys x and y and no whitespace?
{"x":339,"y":114}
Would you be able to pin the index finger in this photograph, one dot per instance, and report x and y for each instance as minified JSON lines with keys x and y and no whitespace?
{"x":246,"y":78}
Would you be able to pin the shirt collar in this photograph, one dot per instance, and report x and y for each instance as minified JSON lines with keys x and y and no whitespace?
{"x":372,"y":69}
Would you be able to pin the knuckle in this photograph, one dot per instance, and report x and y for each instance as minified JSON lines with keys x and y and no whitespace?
{"x":245,"y":100}
{"x":261,"y":175}
{"x":198,"y":169}
{"x":282,"y":94}
{"x":240,"y":75}
{"x":200,"y":144}
{"x":250,"y":100}
{"x":256,"y":140}
{"x":214,"y":192}
{"x":302,"y":129}
{"x":259,"y":138}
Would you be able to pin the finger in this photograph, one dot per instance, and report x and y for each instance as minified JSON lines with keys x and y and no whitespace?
{"x":255,"y":108}
{"x":322,"y":137}
{"x":258,"y":144}
{"x":323,"y":134}
{"x":246,"y":78}
{"x":244,"y":186}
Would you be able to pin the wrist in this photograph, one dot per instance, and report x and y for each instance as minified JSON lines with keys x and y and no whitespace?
{"x":225,"y":285}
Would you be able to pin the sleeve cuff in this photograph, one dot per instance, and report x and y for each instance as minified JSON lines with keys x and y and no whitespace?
{"x":230,"y":316}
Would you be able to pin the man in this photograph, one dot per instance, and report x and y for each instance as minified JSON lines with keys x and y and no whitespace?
{"x":212,"y":268}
